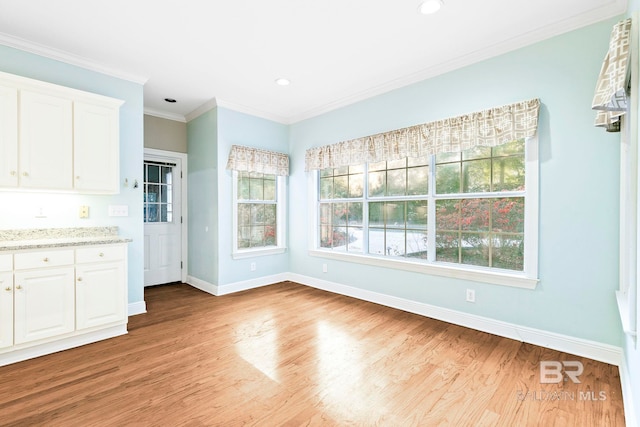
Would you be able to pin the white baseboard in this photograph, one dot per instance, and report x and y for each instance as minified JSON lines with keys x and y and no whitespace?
{"x":204,"y":286}
{"x":135,"y":308}
{"x":251,"y":284}
{"x":219,"y":290}
{"x":580,"y":347}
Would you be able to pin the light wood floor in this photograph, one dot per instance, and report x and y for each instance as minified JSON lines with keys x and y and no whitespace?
{"x":291,"y":355}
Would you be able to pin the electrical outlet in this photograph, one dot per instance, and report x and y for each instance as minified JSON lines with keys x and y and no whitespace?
{"x":324,"y":268}
{"x":118,"y":210}
{"x":84,"y":212}
{"x":41,"y":212}
{"x":253,"y":266}
{"x":471,"y":295}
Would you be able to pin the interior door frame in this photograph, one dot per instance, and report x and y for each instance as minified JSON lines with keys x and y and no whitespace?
{"x":181,"y":158}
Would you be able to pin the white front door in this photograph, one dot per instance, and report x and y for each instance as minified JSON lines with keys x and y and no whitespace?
{"x":162,"y":220}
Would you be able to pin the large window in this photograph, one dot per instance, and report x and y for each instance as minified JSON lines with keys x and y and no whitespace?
{"x":259,"y":213}
{"x":465,"y":210}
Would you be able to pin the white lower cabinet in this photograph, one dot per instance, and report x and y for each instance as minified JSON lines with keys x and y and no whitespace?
{"x":99,"y":298}
{"x":43,"y":304}
{"x":6,"y":309}
{"x":55,"y":299}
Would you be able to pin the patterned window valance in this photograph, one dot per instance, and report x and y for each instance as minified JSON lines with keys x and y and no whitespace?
{"x":491,"y":127}
{"x":255,"y":160}
{"x":611,"y":90}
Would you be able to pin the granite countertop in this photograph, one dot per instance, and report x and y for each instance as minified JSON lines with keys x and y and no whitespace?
{"x":38,"y":238}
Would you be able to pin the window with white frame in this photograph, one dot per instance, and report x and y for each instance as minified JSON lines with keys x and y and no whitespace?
{"x":259,"y":201}
{"x":256,"y":210}
{"x":464,"y":208}
{"x":456,"y":197}
{"x":259,"y":213}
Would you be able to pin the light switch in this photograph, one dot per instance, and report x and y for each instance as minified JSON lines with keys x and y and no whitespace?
{"x":84,"y":211}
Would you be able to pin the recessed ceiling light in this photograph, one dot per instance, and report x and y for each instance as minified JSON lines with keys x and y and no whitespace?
{"x":283,"y":82}
{"x":170,"y":100}
{"x":427,"y":7}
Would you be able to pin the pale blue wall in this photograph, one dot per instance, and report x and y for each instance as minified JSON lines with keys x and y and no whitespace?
{"x":63,"y":208}
{"x":242,"y":129}
{"x":202,"y":140}
{"x":579,"y":173}
{"x":210,"y":137}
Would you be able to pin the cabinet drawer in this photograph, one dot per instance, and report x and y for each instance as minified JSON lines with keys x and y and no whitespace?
{"x":99,"y":254}
{"x":6,"y":262}
{"x":51,"y":258}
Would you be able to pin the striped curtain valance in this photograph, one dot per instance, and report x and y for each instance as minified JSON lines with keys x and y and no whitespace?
{"x":611,"y":96}
{"x":255,"y":160}
{"x":490,"y":127}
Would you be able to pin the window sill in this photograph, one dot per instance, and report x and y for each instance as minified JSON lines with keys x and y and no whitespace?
{"x":250,"y":253}
{"x":623,"y":310}
{"x":477,"y":274}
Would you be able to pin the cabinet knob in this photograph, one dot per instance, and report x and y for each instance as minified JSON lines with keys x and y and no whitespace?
{"x":79,"y":279}
{"x":8,"y":289}
{"x":25,"y":174}
{"x":18,"y":287}
{"x":101,"y":254}
{"x":46,"y":259}
{"x":13,"y":173}
{"x":77,"y":177}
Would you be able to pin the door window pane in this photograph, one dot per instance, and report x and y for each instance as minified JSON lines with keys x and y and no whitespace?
{"x":158,"y":192}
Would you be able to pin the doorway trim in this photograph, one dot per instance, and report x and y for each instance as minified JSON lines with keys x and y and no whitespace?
{"x":163,"y":155}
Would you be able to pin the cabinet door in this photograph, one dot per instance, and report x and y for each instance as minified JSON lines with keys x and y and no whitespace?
{"x":96,"y":148}
{"x":6,"y":310}
{"x":100,"y":294}
{"x":46,"y":145}
{"x":44,"y":303}
{"x":8,"y":137}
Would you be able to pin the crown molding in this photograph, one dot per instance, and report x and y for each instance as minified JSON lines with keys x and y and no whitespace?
{"x":68,"y":58}
{"x":256,"y":112}
{"x":612,"y":9}
{"x":164,"y":115}
{"x":240,"y":108}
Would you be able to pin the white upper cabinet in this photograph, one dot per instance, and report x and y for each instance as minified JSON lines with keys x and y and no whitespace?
{"x":96,"y":148}
{"x":46,"y":141}
{"x":57,"y":138}
{"x":8,"y":136}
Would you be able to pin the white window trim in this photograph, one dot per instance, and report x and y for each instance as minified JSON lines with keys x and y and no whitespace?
{"x":627,"y":294}
{"x":528,"y":279}
{"x":281,"y":222}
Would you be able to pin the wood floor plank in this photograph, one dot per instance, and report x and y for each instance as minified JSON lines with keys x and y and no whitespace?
{"x":291,"y":355}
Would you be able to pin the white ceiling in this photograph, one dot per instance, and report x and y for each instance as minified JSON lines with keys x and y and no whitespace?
{"x":230,"y":52}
